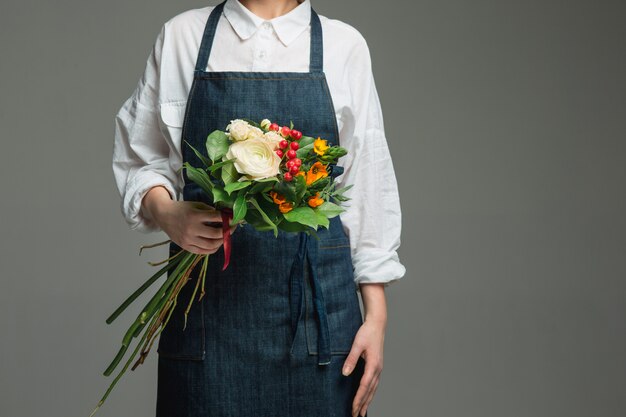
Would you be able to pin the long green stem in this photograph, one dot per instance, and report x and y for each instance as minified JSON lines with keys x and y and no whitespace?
{"x":141,"y":289}
{"x":106,"y":394}
{"x":167,"y":259}
{"x":204,"y":269}
{"x":195,"y":290}
{"x":168,"y":306}
{"x":149,"y":310}
{"x":154,"y":245}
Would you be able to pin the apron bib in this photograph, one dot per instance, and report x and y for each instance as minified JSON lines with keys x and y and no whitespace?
{"x":271,"y":334}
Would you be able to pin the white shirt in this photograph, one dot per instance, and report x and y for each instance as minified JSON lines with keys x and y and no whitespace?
{"x":147,"y":148}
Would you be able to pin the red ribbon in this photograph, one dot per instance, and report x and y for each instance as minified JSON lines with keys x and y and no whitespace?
{"x":227,"y":215}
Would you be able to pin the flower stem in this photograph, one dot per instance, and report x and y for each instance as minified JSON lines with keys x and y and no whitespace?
{"x":149,"y":310}
{"x":141,"y":289}
{"x":106,"y":394}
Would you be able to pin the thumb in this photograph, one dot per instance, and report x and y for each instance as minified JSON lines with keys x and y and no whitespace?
{"x":351,"y":359}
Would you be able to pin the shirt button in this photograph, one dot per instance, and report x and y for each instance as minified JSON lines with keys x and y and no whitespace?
{"x":267,"y":25}
{"x":262,"y":54}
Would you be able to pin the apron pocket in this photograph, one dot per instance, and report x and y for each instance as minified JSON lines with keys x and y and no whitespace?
{"x":335,"y":274}
{"x":176,"y":343}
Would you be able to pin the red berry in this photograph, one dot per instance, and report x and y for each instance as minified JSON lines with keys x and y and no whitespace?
{"x":294,"y":145}
{"x":274,"y":127}
{"x":288,"y":176}
{"x":291,"y":154}
{"x":279,"y":152}
{"x":296,"y":134}
{"x":294,"y":169}
{"x":289,"y":163}
{"x":296,"y":161}
{"x":283,"y":144}
{"x":285,"y":131}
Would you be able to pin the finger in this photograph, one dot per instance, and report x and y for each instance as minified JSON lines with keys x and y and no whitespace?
{"x":370,"y":395}
{"x":363,"y":389}
{"x":350,"y":363}
{"x":207,"y":243}
{"x":198,"y":250}
{"x":207,"y":214}
{"x":209,"y":232}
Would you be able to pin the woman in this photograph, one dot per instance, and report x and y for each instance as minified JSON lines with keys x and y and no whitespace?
{"x":280,"y":332}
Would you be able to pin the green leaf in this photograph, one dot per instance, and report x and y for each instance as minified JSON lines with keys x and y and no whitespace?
{"x":300,"y":183}
{"x":264,"y":215}
{"x":340,"y":191}
{"x":237,"y":185}
{"x":288,"y":190}
{"x":329,"y":209}
{"x":206,"y":161}
{"x":319,"y":184}
{"x":288,"y":226}
{"x":217,"y":145}
{"x":254,"y":218}
{"x":220,"y":164}
{"x":303,"y":151}
{"x":229,"y":174}
{"x":306,"y":140}
{"x":303,"y":215}
{"x":220,"y":195}
{"x":261,"y":187}
{"x":267,"y":197}
{"x":200,"y":177}
{"x":268,"y":179}
{"x":240,"y":207}
{"x":322,"y":219}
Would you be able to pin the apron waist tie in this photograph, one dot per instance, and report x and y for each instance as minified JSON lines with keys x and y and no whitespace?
{"x":306,"y":249}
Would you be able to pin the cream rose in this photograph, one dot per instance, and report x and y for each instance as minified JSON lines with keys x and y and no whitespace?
{"x":239,"y":130}
{"x":273,"y":138}
{"x":255,"y":158}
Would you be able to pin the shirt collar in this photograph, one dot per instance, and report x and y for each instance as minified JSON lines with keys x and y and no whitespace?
{"x":287,"y":26}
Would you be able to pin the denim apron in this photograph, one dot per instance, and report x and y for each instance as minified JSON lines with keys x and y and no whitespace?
{"x":270,"y":336}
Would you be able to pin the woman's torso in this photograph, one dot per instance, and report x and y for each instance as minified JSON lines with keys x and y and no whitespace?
{"x":262,"y":51}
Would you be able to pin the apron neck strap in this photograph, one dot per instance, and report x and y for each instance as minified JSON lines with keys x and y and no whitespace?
{"x":316,"y":59}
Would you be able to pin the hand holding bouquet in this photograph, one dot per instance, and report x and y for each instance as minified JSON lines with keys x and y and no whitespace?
{"x":269,"y":176}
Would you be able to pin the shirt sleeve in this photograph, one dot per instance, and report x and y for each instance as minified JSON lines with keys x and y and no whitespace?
{"x":140,"y":151}
{"x":372,"y":218}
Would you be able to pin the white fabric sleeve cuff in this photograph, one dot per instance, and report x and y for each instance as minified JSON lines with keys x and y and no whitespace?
{"x":142,"y":182}
{"x":377,"y":266}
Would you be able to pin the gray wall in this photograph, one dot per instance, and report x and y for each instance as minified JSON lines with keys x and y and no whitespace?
{"x":506,"y":123}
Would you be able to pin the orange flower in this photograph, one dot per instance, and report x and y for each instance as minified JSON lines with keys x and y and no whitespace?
{"x":320,"y":146}
{"x":301,"y":173}
{"x":278,"y":199}
{"x":315,"y":200}
{"x":317,"y":171}
{"x":285,"y":207}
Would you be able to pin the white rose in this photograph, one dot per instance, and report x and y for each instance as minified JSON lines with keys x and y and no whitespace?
{"x":273,"y":138}
{"x":255,"y":158}
{"x":239,"y":130}
{"x":265,"y":123}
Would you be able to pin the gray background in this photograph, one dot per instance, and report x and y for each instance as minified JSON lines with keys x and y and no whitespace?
{"x":506,"y":123}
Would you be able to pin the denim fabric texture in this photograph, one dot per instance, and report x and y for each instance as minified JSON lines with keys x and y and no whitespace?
{"x":271,"y":334}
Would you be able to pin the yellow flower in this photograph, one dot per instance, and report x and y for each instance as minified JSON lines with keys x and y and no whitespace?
{"x":315,"y":200}
{"x":285,"y":207}
{"x":320,"y":146}
{"x":317,"y":171}
{"x":278,"y":198}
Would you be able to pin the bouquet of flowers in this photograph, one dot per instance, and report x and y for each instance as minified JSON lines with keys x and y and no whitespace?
{"x":269,"y":176}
